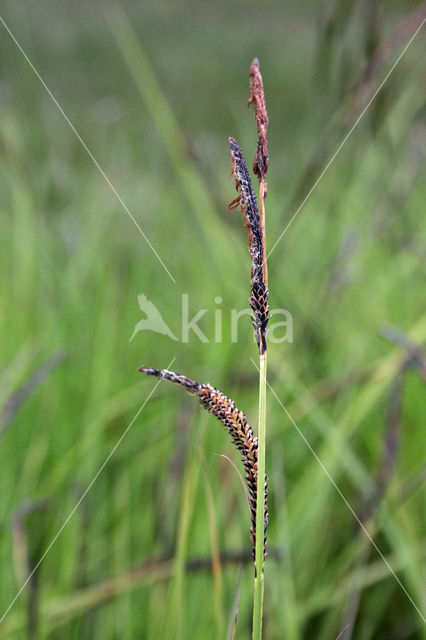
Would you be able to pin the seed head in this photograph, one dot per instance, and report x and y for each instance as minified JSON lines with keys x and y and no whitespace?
{"x":248,"y":203}
{"x":238,"y":428}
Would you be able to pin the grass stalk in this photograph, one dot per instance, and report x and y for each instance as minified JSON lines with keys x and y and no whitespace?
{"x":175,"y":622}
{"x":260,"y":512}
{"x":215,"y":556}
{"x":259,"y":581}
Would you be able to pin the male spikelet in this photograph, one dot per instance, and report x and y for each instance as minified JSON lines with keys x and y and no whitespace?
{"x":257,"y":100}
{"x":237,"y":426}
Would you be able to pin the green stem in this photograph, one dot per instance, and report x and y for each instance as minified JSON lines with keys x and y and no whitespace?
{"x":260,"y":510}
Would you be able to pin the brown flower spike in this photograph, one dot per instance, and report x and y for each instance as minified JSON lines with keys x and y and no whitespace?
{"x":257,"y":99}
{"x":238,"y":428}
{"x":248,"y":202}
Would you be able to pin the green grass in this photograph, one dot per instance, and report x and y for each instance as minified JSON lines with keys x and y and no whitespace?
{"x":155,"y":99}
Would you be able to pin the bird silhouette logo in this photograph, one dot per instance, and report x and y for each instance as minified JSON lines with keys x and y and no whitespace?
{"x":153,"y":320}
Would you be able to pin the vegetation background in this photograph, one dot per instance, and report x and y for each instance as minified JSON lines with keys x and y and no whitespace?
{"x":159,"y":546}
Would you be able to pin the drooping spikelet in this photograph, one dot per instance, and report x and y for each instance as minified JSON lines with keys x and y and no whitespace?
{"x":238,"y":428}
{"x":248,"y":202}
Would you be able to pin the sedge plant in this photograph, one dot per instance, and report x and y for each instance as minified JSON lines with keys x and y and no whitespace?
{"x":252,"y":448}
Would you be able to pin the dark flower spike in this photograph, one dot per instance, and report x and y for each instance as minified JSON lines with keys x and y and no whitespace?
{"x":248,"y":202}
{"x":238,"y":428}
{"x":257,"y":99}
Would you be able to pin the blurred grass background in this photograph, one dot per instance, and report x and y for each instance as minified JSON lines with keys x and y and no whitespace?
{"x":154,"y":90}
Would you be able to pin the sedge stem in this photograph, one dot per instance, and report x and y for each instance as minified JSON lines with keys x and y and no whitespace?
{"x":260,"y":510}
